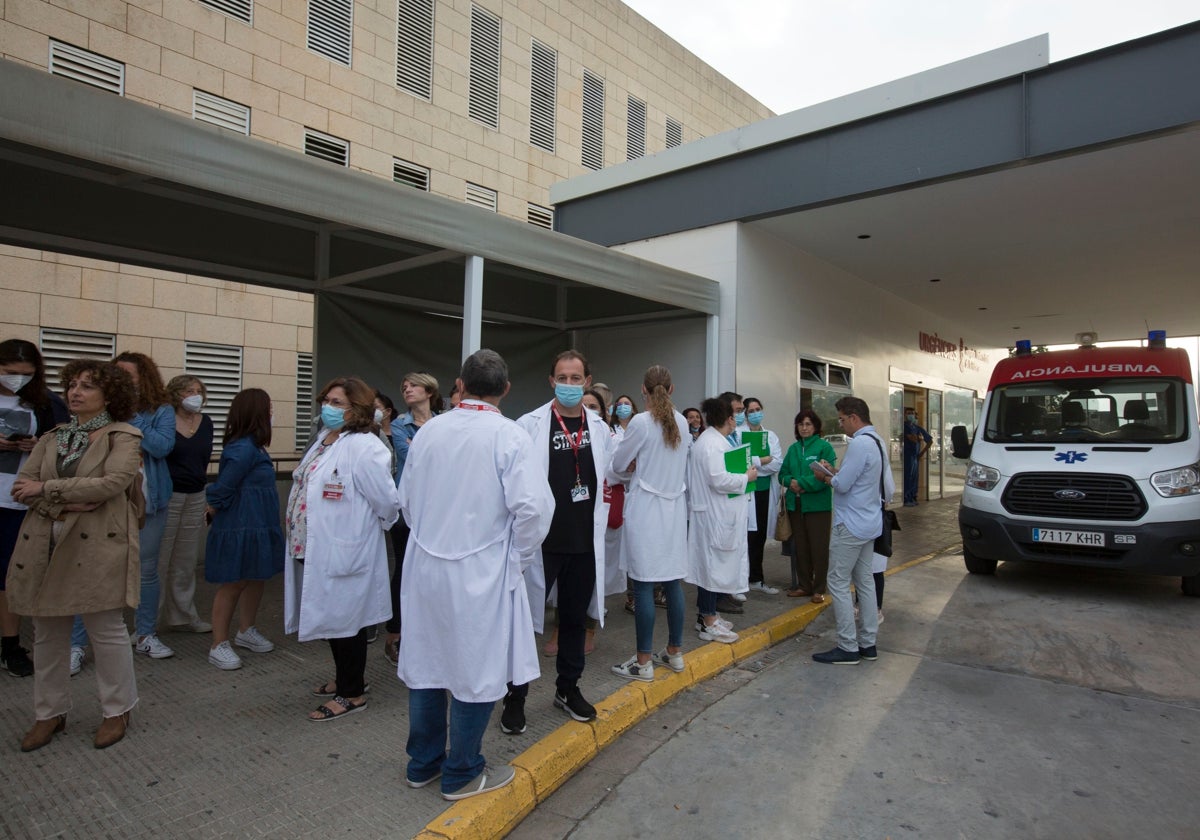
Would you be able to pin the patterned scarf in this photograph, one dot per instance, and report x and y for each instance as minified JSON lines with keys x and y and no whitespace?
{"x":73,"y":438}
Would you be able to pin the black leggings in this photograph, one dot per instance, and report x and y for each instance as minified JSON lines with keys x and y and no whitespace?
{"x":350,"y":660}
{"x":399,"y":534}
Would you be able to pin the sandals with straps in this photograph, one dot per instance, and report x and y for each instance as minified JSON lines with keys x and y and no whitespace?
{"x":327,"y":713}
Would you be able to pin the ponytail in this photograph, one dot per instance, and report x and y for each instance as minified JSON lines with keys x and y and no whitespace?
{"x":657,"y":383}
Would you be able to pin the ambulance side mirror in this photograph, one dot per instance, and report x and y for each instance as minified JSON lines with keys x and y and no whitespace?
{"x":960,"y":443}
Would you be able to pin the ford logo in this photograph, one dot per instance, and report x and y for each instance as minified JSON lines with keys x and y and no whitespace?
{"x":1070,"y":495}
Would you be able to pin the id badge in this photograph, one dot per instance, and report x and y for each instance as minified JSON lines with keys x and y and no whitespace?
{"x":333,"y":491}
{"x":579,"y":493}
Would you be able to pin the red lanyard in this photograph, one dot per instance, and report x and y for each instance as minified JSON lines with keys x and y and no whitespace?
{"x":473,"y":406}
{"x":575,"y":444}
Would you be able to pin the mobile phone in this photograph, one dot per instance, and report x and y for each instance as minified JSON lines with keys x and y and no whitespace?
{"x":19,"y":436}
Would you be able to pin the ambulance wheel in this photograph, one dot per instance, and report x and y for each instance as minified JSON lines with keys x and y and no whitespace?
{"x":978,"y":565}
{"x":1190,"y":586}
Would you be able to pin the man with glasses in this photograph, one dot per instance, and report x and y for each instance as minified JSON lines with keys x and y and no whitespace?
{"x":857,"y":521}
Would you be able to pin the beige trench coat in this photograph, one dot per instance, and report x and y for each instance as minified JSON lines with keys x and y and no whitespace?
{"x":95,"y":562}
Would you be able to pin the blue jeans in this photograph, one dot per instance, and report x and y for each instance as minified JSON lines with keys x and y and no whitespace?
{"x":146,"y":616}
{"x":427,"y":737}
{"x":643,"y":612}
{"x":706,"y":602}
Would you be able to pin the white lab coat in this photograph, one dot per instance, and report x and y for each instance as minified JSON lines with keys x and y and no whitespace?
{"x":614,"y":573}
{"x":343,"y":584}
{"x":537,"y":425}
{"x":479,"y":509}
{"x":654,"y":539}
{"x":717,"y":547}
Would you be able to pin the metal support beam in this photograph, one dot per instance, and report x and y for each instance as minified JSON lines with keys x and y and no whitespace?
{"x":711,"y":345}
{"x":396,"y":267}
{"x":472,"y":332}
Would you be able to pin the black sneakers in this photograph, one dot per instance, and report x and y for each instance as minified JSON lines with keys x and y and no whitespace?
{"x":512,"y":719}
{"x":571,"y":701}
{"x":837,"y":656}
{"x":869,"y":653}
{"x":17,"y":661}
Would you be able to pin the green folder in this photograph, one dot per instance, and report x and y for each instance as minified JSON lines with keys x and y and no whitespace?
{"x":737,"y":461}
{"x":758,"y":443}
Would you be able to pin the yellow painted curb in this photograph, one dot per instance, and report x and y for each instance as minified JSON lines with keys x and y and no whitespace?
{"x":546,"y":765}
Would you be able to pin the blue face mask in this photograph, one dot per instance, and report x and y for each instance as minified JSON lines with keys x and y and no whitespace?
{"x":624,"y":411}
{"x":333,"y":418}
{"x":755,"y":418}
{"x":568,"y":396}
{"x":739,"y":418}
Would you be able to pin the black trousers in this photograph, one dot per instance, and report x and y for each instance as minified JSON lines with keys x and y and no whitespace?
{"x":399,"y":532}
{"x":350,"y":660}
{"x":575,"y":575}
{"x":758,"y":539}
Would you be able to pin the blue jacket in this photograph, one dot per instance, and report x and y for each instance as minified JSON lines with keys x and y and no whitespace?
{"x":158,"y":439}
{"x":403,"y":430}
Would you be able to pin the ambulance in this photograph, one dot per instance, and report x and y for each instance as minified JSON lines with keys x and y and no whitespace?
{"x":1088,"y":457}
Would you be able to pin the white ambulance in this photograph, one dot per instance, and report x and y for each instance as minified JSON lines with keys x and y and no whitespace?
{"x":1088,"y":457}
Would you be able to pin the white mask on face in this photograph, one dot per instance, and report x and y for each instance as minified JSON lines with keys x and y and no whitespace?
{"x":378,"y":416}
{"x":15,"y":381}
{"x":193,"y":403}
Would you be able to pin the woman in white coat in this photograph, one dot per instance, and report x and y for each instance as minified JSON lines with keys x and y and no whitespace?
{"x":717,"y":536}
{"x":766,"y":497}
{"x":343,"y":499}
{"x":652,"y":458}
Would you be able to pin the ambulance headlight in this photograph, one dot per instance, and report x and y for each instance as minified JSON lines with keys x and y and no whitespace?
{"x":982,"y":477}
{"x":1183,"y":481}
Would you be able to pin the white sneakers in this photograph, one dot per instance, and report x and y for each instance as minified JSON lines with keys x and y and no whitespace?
{"x":674,"y":661}
{"x":252,"y":640}
{"x":151,"y":646}
{"x":716,"y":633}
{"x":224,"y":658}
{"x":76,"y":659}
{"x":762,"y":587}
{"x":728,"y":625}
{"x":738,"y":596}
{"x":631,"y":670}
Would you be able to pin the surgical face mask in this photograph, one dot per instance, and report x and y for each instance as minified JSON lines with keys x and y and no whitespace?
{"x":694,"y":429}
{"x":568,"y":396}
{"x":739,"y":418}
{"x":624,"y":411}
{"x":193,"y":403}
{"x":755,"y":418}
{"x":15,"y":381}
{"x":378,"y":416}
{"x":333,"y":418}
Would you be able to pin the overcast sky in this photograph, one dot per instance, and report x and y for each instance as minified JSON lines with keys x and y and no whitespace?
{"x":793,"y":53}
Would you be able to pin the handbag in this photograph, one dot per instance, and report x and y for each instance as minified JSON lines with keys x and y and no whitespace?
{"x":883,"y":543}
{"x":783,"y":523}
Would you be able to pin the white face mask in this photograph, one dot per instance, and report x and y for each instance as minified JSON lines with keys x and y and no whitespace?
{"x":15,"y":381}
{"x":193,"y":403}
{"x":378,"y":416}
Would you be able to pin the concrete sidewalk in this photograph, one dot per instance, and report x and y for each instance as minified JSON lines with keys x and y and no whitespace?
{"x":230,"y":754}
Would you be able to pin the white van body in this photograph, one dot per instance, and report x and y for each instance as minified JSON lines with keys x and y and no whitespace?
{"x":1088,"y":457}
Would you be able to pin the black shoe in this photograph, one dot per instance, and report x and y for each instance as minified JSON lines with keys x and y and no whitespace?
{"x":869,"y":653}
{"x":571,"y":701}
{"x":17,"y":662}
{"x":372,"y":633}
{"x":512,"y":719}
{"x":725,"y":604}
{"x":837,"y":656}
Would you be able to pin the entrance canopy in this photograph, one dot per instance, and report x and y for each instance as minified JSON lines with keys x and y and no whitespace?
{"x":92,"y":174}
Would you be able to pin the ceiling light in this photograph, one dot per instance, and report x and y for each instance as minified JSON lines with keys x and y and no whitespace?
{"x":935,"y":279}
{"x":864,"y":236}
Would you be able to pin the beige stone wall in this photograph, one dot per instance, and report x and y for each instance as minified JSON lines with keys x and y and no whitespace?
{"x":171,"y":47}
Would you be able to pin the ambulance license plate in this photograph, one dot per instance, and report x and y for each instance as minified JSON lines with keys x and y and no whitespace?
{"x":1094,"y":539}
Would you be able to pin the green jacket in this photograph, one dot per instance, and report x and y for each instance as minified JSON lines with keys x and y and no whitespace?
{"x":817,"y":495}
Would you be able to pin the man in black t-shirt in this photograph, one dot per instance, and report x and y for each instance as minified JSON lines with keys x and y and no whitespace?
{"x":575,"y":445}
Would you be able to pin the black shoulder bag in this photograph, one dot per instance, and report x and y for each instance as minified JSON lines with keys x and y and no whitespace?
{"x":883,"y":543}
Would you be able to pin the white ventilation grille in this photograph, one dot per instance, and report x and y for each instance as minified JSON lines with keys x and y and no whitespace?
{"x":674,"y":133}
{"x":330,"y":28}
{"x":304,"y":400}
{"x":540,"y":216}
{"x":484,"y":94}
{"x":326,"y":147}
{"x":410,"y":174}
{"x":414,"y":47}
{"x":87,"y":67}
{"x":635,"y":134}
{"x":242,"y":10}
{"x":219,"y":367}
{"x":543,"y":96}
{"x":61,"y":346}
{"x":593,"y":121}
{"x":481,"y":197}
{"x":224,"y":113}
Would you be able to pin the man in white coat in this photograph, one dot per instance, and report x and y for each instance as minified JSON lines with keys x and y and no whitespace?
{"x":571,"y":451}
{"x":861,"y":486}
{"x":479,"y":509}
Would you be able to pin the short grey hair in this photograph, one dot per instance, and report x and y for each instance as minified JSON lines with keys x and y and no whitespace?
{"x":485,"y":374}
